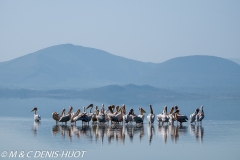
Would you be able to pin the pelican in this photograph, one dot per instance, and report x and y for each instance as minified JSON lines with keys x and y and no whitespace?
{"x":113,"y":107}
{"x":101,"y":117}
{"x":171,"y":116}
{"x":163,"y":117}
{"x":74,"y":116}
{"x":200,"y":116}
{"x":151,"y":115}
{"x":67,"y":117}
{"x":90,"y":111}
{"x":77,"y":116}
{"x":116,"y":117}
{"x":105,"y":112}
{"x":56,"y":116}
{"x":36,"y":117}
{"x":140,"y":117}
{"x":128,"y":117}
{"x":111,"y":115}
{"x":117,"y":109}
{"x":120,"y":115}
{"x":94,"y":117}
{"x":86,"y":117}
{"x":193,"y":117}
{"x":179,"y":117}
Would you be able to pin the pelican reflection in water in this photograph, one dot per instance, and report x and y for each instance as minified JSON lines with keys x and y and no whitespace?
{"x":171,"y":130}
{"x":119,"y":133}
{"x":151,"y":132}
{"x":64,"y":130}
{"x":197,"y":131}
{"x":115,"y":131}
{"x":35,"y":127}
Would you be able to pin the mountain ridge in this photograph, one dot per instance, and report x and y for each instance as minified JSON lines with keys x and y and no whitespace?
{"x":76,"y":67}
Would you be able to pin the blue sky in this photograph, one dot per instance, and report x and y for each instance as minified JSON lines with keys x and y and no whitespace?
{"x":148,"y":31}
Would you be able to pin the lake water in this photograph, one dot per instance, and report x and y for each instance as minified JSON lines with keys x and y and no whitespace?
{"x":21,"y":138}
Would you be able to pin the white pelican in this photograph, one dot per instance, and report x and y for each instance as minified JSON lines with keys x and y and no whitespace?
{"x":113,"y":107}
{"x":117,"y":109}
{"x":101,"y":117}
{"x":193,"y":116}
{"x":67,"y":117}
{"x":110,"y":115}
{"x":128,"y":117}
{"x":74,"y":116}
{"x":163,"y":117}
{"x":94,"y":117}
{"x":140,"y":117}
{"x":78,"y":116}
{"x":36,"y":117}
{"x":171,"y":116}
{"x":56,"y":116}
{"x":151,"y":115}
{"x":116,"y":117}
{"x":86,"y":117}
{"x":200,"y":115}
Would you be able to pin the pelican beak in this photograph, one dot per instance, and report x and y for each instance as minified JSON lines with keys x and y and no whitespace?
{"x":151,"y":110}
{"x":34,"y":109}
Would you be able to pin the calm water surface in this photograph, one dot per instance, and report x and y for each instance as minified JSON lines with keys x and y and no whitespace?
{"x":217,"y":138}
{"x":211,"y":140}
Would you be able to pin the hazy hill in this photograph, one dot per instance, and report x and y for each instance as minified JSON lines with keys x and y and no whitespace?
{"x":132,"y":94}
{"x":236,"y":60}
{"x":70,"y":66}
{"x":196,"y":71}
{"x":75,"y":67}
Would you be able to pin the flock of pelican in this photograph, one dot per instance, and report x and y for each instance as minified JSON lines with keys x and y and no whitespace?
{"x":118,"y":115}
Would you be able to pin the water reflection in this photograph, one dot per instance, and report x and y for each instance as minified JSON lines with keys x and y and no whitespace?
{"x":135,"y":129}
{"x":197,"y":131}
{"x":119,"y":133}
{"x":151,"y":132}
{"x":35,"y":127}
{"x":171,"y":130}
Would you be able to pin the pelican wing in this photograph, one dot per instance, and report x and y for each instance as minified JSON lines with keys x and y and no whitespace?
{"x":64,"y":118}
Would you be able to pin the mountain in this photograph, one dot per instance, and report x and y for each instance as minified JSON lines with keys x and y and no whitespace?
{"x":133,"y":94}
{"x":196,"y":71}
{"x":75,"y":67}
{"x":70,"y":66}
{"x":236,"y":60}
